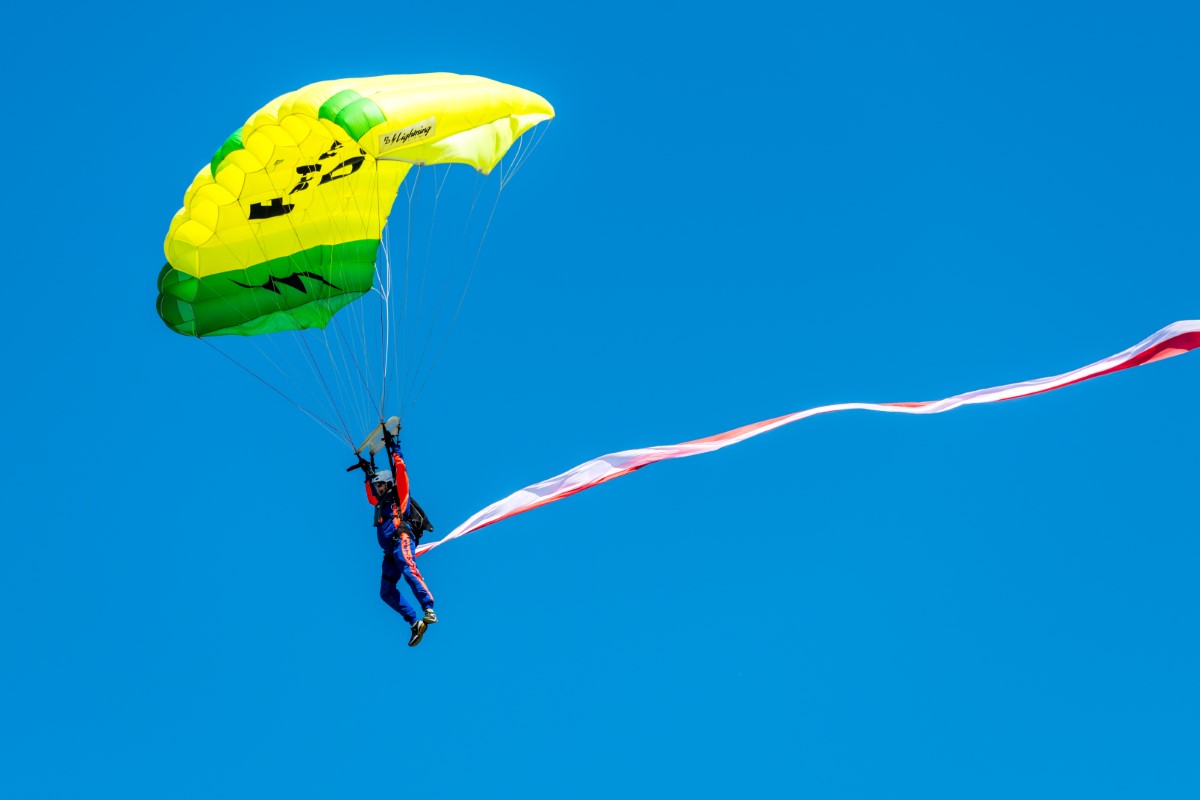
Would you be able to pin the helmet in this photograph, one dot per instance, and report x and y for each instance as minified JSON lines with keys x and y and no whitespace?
{"x":383,"y":478}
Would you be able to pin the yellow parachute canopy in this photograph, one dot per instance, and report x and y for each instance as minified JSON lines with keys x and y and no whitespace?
{"x":282,"y":228}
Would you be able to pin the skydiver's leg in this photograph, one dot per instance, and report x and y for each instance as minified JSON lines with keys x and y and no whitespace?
{"x":389,"y":593}
{"x":408,"y":566}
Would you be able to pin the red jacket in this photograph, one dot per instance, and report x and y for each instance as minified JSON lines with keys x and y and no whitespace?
{"x":400,"y":476}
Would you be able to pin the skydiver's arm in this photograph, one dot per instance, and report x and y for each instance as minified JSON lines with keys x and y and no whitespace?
{"x":368,"y":469}
{"x":401,"y":477}
{"x":392,"y":445}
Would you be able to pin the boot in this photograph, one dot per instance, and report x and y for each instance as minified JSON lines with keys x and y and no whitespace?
{"x":430,"y":617}
{"x":418,"y":630}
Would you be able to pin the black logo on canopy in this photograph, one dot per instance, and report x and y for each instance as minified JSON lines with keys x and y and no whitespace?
{"x":293,"y":280}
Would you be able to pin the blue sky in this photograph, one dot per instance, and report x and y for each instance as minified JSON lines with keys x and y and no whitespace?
{"x":739,"y":212}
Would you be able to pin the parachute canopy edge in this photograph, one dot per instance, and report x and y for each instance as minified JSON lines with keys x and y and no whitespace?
{"x":368,"y":109}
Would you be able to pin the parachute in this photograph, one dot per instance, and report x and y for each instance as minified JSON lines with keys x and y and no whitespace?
{"x":287,"y":226}
{"x":283,"y":228}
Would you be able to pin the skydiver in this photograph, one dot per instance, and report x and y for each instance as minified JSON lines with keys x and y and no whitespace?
{"x":399,"y":523}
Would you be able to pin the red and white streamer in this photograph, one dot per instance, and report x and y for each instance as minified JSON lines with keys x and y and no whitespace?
{"x":1177,"y":338}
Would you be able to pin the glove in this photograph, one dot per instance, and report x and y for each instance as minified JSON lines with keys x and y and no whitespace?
{"x":364,"y":465}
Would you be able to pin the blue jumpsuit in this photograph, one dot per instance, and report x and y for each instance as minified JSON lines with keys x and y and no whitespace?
{"x":394,"y":534}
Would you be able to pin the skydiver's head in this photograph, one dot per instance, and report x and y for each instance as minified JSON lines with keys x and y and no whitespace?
{"x":383,"y":482}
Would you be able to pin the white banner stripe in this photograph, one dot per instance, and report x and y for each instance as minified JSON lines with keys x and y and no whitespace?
{"x":1177,"y":338}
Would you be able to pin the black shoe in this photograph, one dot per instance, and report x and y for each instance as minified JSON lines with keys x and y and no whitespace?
{"x":430,"y":617}
{"x":418,"y":630}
